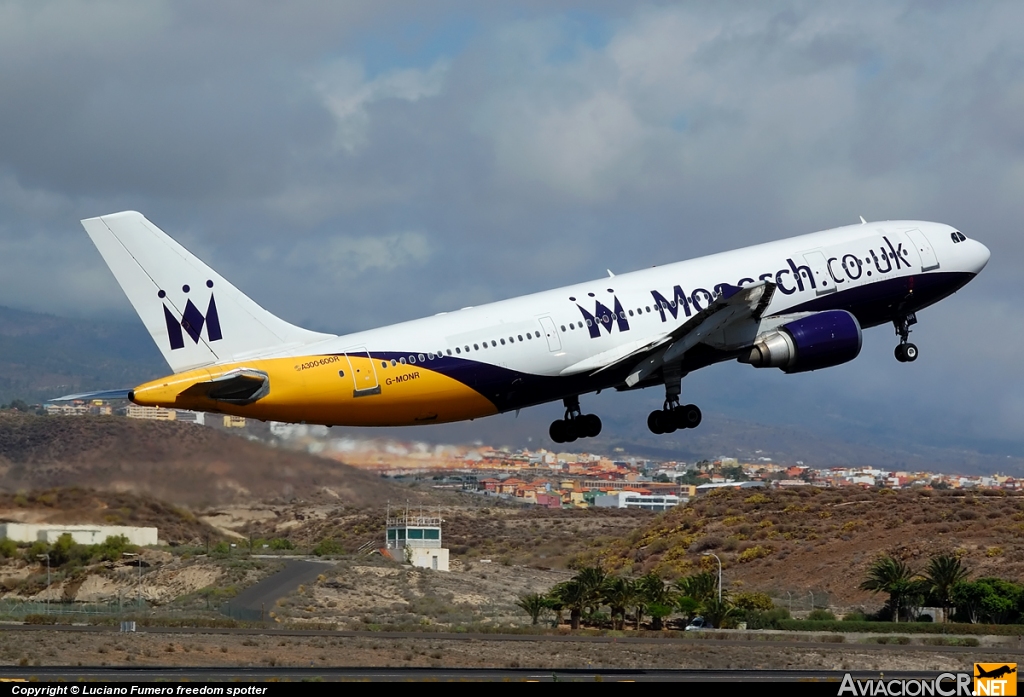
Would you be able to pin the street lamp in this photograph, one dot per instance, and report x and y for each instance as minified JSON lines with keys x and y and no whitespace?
{"x":710,"y":554}
{"x":47,"y":556}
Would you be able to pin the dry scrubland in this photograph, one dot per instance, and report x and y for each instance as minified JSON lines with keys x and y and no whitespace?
{"x":141,"y":649}
{"x":223,"y":488}
{"x":823,"y":539}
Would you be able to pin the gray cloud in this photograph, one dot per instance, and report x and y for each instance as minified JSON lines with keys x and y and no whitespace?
{"x":413,"y":159}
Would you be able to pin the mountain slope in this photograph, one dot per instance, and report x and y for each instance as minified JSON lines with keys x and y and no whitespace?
{"x":181,"y":463}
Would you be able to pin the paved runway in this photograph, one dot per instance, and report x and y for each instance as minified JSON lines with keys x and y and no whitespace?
{"x":385,"y":674}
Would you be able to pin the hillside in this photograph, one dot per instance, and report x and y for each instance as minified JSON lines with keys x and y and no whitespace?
{"x":42,"y":357}
{"x":181,"y":463}
{"x":74,"y":506}
{"x":822,"y":540}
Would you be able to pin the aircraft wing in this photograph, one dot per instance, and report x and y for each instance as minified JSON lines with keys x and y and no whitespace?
{"x":732,"y":305}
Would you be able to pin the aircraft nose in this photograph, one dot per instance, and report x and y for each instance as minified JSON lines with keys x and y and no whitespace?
{"x":977,"y":256}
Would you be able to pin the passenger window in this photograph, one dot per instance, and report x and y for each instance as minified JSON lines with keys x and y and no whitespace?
{"x":590,"y":323}
{"x":476,"y":347}
{"x":421,"y":358}
{"x":458,"y":350}
{"x":511,"y":340}
{"x":630,"y":314}
{"x":502,"y":342}
{"x":493,"y":342}
{"x":412,"y":360}
{"x":520,"y":337}
{"x":402,"y":360}
{"x":563,"y":327}
{"x":341,"y":373}
{"x":450,"y":351}
{"x":383,"y":364}
{"x":394,"y":362}
{"x":467,"y":349}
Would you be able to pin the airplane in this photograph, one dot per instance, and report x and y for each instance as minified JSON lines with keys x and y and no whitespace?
{"x":995,"y":672}
{"x":797,"y":304}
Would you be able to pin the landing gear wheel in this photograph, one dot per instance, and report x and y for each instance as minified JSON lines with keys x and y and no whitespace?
{"x":654,"y":423}
{"x":572,"y":431}
{"x":557,"y":431}
{"x":591,"y":425}
{"x":900,"y":353}
{"x":689,"y":416}
{"x":909,"y":353}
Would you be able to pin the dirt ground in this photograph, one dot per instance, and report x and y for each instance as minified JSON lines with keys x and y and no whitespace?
{"x":384,"y":650}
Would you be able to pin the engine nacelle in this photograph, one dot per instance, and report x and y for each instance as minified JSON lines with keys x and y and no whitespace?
{"x":821,"y":340}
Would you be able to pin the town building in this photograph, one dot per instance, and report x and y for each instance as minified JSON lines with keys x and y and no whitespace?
{"x":81,"y":534}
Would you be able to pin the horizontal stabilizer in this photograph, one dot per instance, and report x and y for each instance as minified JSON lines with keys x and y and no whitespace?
{"x":86,"y":396}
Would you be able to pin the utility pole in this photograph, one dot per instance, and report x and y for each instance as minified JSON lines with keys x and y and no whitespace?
{"x":47,"y":557}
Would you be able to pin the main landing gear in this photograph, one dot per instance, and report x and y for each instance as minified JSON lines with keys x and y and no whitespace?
{"x":575,"y":424}
{"x":906,"y":352}
{"x":673,"y":416}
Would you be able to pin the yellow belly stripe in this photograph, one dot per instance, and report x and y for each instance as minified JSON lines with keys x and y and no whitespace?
{"x":343,"y":390}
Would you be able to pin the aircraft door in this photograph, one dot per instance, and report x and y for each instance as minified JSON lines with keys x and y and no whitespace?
{"x":363,"y":372}
{"x":924,"y":249}
{"x":823,"y":281}
{"x":554,"y":344}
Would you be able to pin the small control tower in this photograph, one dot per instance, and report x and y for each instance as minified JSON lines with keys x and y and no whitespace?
{"x":418,"y":538}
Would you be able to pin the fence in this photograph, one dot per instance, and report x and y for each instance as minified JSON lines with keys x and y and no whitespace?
{"x":19,"y":609}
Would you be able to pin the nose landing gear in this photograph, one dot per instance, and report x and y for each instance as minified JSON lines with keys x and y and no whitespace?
{"x":575,"y":425}
{"x":673,"y":416}
{"x":905,"y":352}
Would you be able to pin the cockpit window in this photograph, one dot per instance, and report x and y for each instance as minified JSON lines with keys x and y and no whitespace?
{"x":962,"y":237}
{"x":953,"y":236}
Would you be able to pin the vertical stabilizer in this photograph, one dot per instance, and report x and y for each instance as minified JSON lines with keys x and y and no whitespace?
{"x":195,"y":316}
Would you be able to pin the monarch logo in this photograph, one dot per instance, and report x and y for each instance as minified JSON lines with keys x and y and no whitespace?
{"x":192,"y":321}
{"x":995,"y":678}
{"x":604,"y":317}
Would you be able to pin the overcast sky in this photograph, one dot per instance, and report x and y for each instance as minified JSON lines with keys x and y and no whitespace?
{"x":350,"y":165}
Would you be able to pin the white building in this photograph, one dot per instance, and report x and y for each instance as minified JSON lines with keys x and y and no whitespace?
{"x":82,"y":534}
{"x":633,"y":499}
{"x":417,"y":539}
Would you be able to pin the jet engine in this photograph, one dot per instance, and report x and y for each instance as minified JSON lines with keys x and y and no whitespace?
{"x":821,"y":340}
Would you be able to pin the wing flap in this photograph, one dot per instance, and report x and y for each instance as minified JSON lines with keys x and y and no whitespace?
{"x":732,"y":305}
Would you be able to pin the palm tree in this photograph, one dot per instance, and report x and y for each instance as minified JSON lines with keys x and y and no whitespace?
{"x":533,"y":604}
{"x":618,"y":593}
{"x":592,"y":578}
{"x":700,"y":586}
{"x":717,"y":612}
{"x":573,"y":595}
{"x":893,"y":576}
{"x":944,"y":571}
{"x":657,"y":598}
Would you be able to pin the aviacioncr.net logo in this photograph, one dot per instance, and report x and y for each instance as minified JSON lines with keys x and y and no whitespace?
{"x":944,"y":685}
